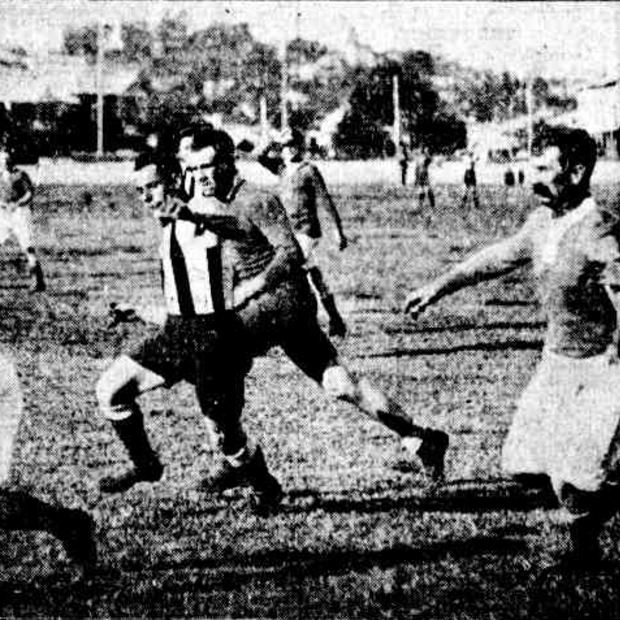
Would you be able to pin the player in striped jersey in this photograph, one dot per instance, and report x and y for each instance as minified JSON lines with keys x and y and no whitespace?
{"x":303,"y":193}
{"x":200,"y":341}
{"x":276,"y":306}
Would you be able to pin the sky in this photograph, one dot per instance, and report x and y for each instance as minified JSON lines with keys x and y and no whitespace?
{"x":562,"y":39}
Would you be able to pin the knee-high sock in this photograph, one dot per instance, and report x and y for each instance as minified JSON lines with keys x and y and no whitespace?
{"x":131,"y":432}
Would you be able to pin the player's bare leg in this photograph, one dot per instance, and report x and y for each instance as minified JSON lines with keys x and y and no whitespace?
{"x":428,"y":444}
{"x":117,"y":390}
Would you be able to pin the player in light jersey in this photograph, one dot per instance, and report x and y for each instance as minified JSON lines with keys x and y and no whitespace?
{"x":303,"y":193}
{"x":16,"y":192}
{"x":279,"y":308}
{"x":565,"y":429}
{"x":20,"y":510}
{"x":199,"y":342}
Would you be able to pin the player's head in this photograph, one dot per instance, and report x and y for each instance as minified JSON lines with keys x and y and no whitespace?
{"x":212,"y":161}
{"x":563,"y":172}
{"x":186,"y":138}
{"x":293,"y":146}
{"x":184,"y":144}
{"x":149,"y":180}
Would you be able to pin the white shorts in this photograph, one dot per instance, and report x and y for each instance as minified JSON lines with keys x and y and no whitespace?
{"x":17,"y":222}
{"x":308,"y":248}
{"x":566,"y":424}
{"x":11,"y":409}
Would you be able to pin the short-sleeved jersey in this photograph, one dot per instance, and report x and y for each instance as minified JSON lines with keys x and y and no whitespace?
{"x":14,"y":184}
{"x":575,"y":257}
{"x":303,"y":193}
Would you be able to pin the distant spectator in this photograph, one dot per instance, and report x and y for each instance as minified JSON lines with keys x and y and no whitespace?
{"x":471,"y":184}
{"x":422,"y":180}
{"x":402,"y":153}
{"x":509,"y":186}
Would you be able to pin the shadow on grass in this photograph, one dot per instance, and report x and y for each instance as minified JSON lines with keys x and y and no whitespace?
{"x":411,"y":329}
{"x":462,"y":496}
{"x":488,"y":347}
{"x":277,"y":563}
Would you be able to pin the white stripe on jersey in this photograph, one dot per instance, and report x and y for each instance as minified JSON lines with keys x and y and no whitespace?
{"x":194,"y":248}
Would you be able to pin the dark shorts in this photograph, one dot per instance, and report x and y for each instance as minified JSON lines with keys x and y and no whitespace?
{"x":287,"y":317}
{"x":190,"y":348}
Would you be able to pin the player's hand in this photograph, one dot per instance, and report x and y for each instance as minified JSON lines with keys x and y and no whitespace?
{"x":417,"y":301}
{"x":245,"y":291}
{"x":122,"y":313}
{"x":172,"y":209}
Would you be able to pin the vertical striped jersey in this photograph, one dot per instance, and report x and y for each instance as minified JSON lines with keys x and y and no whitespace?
{"x":195,"y":280}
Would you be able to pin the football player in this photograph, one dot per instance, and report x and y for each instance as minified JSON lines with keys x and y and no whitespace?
{"x":303,"y":192}
{"x":199,"y":342}
{"x":16,"y":193}
{"x":20,"y":510}
{"x":280,"y":309}
{"x":565,"y":430}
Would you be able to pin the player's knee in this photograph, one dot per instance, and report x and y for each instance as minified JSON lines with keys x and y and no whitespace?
{"x":338,"y":383}
{"x":116,"y":402}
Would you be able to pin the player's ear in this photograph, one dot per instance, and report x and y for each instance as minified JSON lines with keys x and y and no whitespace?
{"x":577,"y":173}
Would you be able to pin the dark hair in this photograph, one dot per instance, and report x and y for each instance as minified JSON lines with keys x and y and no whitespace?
{"x":576,"y":147}
{"x":147,"y":159}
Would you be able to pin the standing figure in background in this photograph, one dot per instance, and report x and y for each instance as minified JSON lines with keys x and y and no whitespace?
{"x":509,"y":187}
{"x":302,"y":192}
{"x":402,"y":153}
{"x":422,"y":179}
{"x":16,"y":193}
{"x":471,"y":183}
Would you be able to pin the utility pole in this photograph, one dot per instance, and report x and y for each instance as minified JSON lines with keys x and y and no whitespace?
{"x":529,"y":104}
{"x":396,"y":129}
{"x":284,"y":87}
{"x":99,"y":85}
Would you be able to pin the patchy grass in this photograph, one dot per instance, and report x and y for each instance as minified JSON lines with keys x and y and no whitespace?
{"x":356,"y":537}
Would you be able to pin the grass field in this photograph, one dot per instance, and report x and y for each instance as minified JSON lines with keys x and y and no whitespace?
{"x":356,"y":536}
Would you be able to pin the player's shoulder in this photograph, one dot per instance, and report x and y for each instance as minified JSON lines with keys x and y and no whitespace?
{"x":254,"y":202}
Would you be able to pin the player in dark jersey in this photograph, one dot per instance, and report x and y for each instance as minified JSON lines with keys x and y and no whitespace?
{"x":200,"y":342}
{"x":303,"y":193}
{"x":278,"y":308}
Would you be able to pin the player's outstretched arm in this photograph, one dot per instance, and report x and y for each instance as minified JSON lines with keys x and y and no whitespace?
{"x":324,"y":199}
{"x":491,"y":262}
